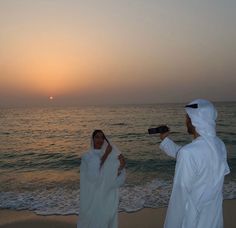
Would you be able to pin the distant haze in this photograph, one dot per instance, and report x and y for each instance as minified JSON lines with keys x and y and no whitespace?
{"x":116,"y":52}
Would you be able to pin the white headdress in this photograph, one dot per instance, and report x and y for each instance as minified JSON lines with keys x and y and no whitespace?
{"x":203,"y":116}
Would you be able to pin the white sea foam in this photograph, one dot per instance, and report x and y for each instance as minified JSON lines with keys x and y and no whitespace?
{"x":154,"y":194}
{"x":64,"y":201}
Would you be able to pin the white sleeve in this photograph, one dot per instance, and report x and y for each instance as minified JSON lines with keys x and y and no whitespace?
{"x":120,"y":179}
{"x":169,"y":147}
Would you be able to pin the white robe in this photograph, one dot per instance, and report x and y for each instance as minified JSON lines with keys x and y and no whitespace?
{"x":196,"y":199}
{"x":99,"y":197}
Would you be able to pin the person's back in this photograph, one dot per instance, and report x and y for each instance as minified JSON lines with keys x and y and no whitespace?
{"x":196,"y":199}
{"x":202,"y":183}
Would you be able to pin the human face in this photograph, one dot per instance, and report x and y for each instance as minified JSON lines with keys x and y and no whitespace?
{"x":190,"y":127}
{"x":98,"y":140}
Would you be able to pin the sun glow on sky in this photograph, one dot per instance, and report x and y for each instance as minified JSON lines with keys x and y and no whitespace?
{"x":116,"y":52}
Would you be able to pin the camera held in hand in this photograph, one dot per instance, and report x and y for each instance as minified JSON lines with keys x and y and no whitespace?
{"x":160,"y":129}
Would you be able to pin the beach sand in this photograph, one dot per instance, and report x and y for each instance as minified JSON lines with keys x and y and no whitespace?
{"x":145,"y":218}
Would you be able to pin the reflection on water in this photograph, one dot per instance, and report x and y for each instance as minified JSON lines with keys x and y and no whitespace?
{"x":40,"y":150}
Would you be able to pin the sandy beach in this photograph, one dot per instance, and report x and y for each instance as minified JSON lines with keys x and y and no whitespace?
{"x":146,"y":218}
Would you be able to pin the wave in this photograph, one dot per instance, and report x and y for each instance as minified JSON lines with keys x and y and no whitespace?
{"x":35,"y":161}
{"x":65,"y":201}
{"x":30,"y":161}
{"x":119,"y":124}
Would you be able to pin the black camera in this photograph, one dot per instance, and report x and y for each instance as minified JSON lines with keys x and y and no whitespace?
{"x":160,"y":129}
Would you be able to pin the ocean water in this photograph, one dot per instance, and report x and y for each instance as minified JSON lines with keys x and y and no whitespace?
{"x":40,"y":150}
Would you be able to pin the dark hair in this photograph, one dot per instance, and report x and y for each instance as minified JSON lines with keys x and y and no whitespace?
{"x":99,"y":131}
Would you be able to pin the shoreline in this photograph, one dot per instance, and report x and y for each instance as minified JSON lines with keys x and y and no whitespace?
{"x":146,"y":217}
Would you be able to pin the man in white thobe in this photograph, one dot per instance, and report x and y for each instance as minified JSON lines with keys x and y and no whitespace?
{"x":196,"y":198}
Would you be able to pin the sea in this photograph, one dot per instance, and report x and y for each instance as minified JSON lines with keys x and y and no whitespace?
{"x":41,"y":149}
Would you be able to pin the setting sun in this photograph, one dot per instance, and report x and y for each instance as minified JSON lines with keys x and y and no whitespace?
{"x":115,"y":53}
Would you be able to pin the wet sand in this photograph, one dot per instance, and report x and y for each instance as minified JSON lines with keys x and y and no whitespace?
{"x":145,"y":218}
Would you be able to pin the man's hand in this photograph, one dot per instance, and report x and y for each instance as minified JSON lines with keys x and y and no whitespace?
{"x":164,"y":135}
{"x":105,"y":155}
{"x":108,"y":149}
{"x":122,"y":161}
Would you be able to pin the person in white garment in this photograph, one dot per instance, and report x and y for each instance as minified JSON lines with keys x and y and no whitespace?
{"x":102,"y":172}
{"x":196,"y":198}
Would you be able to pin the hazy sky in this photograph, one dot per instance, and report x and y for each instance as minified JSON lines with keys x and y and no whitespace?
{"x":105,"y":52}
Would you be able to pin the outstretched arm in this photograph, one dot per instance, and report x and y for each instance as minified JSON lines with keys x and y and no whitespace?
{"x":168,"y":146}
